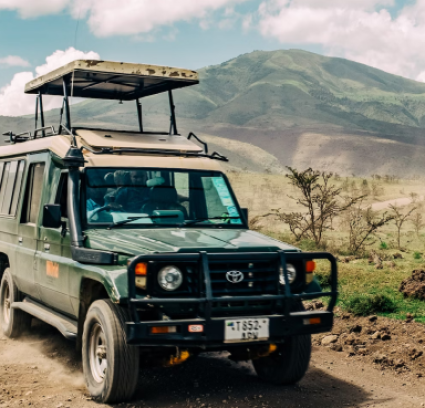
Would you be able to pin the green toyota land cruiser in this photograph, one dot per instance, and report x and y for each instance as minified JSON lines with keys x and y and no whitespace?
{"x":133,"y":244}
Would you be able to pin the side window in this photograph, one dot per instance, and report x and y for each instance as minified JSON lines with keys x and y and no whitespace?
{"x":33,"y":193}
{"x":10,"y":185}
{"x":18,"y":187}
{"x":61,"y":196}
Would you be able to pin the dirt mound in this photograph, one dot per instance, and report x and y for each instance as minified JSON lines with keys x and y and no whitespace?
{"x":414,"y":286}
{"x":388,"y":344}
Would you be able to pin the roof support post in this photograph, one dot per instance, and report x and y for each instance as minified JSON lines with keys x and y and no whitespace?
{"x":36,"y":112}
{"x":173,"y":124}
{"x":66,"y":103}
{"x":40,"y":101}
{"x":139,"y":114}
{"x":39,"y":105}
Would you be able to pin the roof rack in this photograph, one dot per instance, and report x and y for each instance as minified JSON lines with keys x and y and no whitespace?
{"x":108,"y":80}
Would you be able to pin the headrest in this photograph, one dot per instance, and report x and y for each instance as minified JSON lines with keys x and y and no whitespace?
{"x":163,"y":194}
{"x":157,"y":181}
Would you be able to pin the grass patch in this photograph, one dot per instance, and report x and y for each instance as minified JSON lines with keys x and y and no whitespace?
{"x":417,"y":255}
{"x":365,"y":305}
{"x":383,"y":245}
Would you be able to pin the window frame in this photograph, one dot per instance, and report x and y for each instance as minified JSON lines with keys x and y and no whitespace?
{"x":16,"y":189}
{"x":26,"y":209}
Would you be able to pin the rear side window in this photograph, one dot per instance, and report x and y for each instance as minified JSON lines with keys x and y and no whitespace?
{"x":10,"y":186}
{"x":33,"y":194}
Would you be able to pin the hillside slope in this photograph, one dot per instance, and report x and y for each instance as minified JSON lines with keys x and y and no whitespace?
{"x":292,"y":103}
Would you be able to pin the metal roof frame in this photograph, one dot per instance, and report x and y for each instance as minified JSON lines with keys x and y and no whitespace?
{"x":112,"y":80}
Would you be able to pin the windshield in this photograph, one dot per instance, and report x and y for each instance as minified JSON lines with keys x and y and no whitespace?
{"x":140,"y":198}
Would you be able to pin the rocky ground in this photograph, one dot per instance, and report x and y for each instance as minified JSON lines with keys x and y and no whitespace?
{"x":355,"y":367}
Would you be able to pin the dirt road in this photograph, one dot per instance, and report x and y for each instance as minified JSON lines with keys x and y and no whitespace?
{"x":42,"y":370}
{"x":399,"y":202}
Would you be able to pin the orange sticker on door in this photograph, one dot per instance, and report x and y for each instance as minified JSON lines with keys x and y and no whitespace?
{"x":52,"y":269}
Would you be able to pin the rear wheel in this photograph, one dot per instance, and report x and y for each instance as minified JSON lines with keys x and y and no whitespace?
{"x":111,"y":366}
{"x":13,"y":321}
{"x":288,"y":364}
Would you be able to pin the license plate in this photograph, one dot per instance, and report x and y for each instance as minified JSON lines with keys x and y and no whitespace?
{"x":244,"y":330}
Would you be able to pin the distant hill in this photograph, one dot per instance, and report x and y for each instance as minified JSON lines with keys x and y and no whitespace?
{"x":302,"y":108}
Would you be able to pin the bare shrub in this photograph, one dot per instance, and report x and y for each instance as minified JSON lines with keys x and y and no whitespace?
{"x":362,"y":225}
{"x":418,"y":222}
{"x":400,"y":218}
{"x":414,"y":196}
{"x":376,"y":188}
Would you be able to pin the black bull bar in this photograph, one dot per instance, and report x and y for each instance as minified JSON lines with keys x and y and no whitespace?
{"x":281,"y":325}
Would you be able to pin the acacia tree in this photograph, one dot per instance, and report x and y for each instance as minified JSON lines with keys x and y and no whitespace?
{"x":418,"y":222}
{"x":322,"y":201}
{"x":362,"y":224}
{"x":400,"y":218}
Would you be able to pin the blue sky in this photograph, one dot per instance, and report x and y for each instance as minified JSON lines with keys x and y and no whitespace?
{"x":387,"y":34}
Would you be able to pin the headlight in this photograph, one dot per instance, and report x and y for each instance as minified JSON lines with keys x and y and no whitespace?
{"x":292,"y":274}
{"x":170,"y":278}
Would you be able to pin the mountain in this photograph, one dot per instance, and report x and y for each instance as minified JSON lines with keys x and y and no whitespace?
{"x":304,"y":109}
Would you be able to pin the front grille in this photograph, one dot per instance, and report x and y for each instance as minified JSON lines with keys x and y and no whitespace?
{"x":259,"y":278}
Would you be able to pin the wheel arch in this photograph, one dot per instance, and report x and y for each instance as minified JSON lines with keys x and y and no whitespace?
{"x":90,"y":291}
{"x":4,"y":263}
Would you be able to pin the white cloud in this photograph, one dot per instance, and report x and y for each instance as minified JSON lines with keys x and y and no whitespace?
{"x":13,"y":100}
{"x":128,"y":17}
{"x":14,"y":61}
{"x":34,"y":8}
{"x":111,"y":17}
{"x":361,"y":30}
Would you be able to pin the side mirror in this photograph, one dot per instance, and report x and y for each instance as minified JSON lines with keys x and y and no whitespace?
{"x":52,"y":217}
{"x":245,"y":213}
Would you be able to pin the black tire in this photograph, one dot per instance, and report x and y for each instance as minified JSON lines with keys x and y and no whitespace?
{"x":288,"y":364}
{"x":13,"y":321}
{"x":106,"y":351}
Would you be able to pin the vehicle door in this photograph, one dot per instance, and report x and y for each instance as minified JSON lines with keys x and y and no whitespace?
{"x":28,"y":230}
{"x":53,"y":256}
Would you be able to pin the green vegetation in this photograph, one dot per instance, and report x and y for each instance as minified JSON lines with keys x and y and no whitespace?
{"x":417,"y":255}
{"x":365,"y":305}
{"x":383,"y":245}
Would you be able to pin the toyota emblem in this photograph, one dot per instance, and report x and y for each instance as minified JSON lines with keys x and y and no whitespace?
{"x":234,"y":276}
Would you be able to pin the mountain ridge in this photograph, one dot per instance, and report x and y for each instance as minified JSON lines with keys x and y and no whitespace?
{"x":283,"y":96}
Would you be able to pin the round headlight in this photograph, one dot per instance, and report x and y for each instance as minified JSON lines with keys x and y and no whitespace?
{"x":170,"y":278}
{"x":292,"y":274}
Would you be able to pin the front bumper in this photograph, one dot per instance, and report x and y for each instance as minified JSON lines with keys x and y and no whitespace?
{"x":213,"y":336}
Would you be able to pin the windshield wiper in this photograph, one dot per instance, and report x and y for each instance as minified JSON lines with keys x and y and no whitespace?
{"x":130,"y":219}
{"x":190,"y":222}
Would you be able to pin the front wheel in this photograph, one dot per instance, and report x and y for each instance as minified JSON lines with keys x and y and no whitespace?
{"x":111,"y":366}
{"x":288,"y":364}
{"x":13,"y":321}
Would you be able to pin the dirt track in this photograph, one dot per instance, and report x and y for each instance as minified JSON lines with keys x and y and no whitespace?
{"x":42,"y":370}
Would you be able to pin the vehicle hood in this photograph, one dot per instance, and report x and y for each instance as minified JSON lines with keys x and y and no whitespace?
{"x":144,"y":241}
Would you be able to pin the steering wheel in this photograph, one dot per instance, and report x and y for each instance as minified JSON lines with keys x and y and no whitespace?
{"x":101,"y":209}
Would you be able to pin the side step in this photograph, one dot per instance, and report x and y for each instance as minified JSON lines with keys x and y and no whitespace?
{"x":67,"y":326}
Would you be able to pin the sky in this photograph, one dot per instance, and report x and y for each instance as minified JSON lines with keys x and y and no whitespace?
{"x":39,"y":36}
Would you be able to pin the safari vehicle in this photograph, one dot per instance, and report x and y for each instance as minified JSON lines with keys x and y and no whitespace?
{"x":133,"y":244}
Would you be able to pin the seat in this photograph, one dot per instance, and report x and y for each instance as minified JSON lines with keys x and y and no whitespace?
{"x":163,"y":198}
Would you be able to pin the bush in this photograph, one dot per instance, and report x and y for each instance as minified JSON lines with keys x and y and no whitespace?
{"x":417,"y":255}
{"x":307,"y":245}
{"x":383,"y":245}
{"x":324,"y":278}
{"x":365,"y":305}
